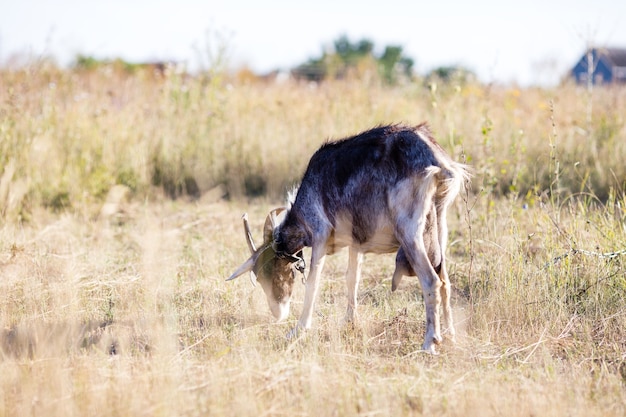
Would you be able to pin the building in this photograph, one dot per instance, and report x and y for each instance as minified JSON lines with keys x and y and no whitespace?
{"x":608,"y":66}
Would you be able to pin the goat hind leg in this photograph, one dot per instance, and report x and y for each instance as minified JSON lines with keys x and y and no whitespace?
{"x":413,"y":246}
{"x":446,"y":286}
{"x":445,"y":290}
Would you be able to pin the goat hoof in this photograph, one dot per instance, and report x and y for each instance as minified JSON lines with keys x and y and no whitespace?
{"x":430,"y":349}
{"x":430,"y":343}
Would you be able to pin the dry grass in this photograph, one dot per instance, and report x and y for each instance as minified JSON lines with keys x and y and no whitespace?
{"x":134,"y":317}
{"x":67,"y":137}
{"x":125,"y":311}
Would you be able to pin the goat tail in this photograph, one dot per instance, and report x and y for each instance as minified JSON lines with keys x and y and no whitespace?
{"x":451,"y":180}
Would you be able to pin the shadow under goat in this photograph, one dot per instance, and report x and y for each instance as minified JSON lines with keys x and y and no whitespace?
{"x":385,"y":190}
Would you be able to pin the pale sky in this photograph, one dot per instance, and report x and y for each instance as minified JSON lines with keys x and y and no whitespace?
{"x":528,"y":42}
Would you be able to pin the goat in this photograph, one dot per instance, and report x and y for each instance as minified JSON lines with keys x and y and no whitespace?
{"x":387,"y":189}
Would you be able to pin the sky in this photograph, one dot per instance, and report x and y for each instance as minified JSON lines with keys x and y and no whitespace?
{"x":527,"y":43}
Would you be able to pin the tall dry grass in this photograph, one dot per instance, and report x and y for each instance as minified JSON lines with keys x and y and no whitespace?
{"x":125,"y":311}
{"x":67,"y":137}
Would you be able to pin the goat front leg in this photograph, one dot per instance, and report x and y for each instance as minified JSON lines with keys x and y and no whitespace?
{"x":353,"y":276}
{"x":318,"y":257}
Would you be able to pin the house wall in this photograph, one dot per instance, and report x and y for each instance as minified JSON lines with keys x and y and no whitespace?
{"x":602,"y":73}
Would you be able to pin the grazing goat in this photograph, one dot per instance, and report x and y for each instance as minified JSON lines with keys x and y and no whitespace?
{"x":385,"y":190}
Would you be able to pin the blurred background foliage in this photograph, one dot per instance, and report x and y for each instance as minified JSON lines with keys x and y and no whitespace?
{"x":67,"y":136}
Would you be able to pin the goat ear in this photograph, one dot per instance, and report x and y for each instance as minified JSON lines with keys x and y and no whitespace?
{"x":271,"y":223}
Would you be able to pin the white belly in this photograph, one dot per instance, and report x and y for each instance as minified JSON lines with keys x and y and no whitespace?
{"x":383,"y":240}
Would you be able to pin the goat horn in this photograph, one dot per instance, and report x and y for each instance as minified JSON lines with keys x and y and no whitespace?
{"x":246,"y":228}
{"x":245,"y":267}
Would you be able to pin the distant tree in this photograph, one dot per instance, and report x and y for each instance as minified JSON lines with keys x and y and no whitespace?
{"x":393,"y":64}
{"x":451,"y":74}
{"x":86,"y":62}
{"x":90,"y":63}
{"x":350,"y":53}
{"x":347,"y":56}
{"x":312,"y":70}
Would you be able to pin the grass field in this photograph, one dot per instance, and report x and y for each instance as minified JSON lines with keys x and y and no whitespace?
{"x":121,"y":199}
